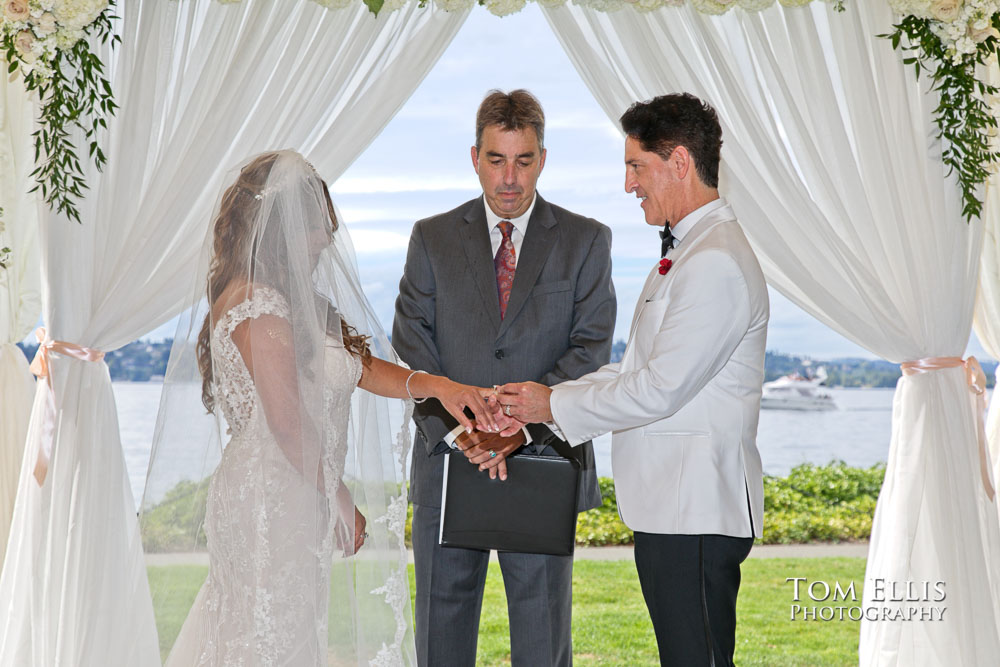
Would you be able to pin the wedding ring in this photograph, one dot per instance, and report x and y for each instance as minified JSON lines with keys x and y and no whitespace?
{"x":493,"y":454}
{"x":506,"y":409}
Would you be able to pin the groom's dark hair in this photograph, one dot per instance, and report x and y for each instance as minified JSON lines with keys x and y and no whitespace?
{"x":663,"y":123}
{"x":516,"y":110}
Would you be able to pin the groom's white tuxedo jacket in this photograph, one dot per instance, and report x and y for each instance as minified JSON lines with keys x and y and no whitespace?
{"x":684,"y":401}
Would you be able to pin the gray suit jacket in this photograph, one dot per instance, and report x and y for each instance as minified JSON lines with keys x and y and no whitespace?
{"x":558,"y":324}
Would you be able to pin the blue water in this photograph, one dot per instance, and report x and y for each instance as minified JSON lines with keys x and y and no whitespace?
{"x":856,"y":433}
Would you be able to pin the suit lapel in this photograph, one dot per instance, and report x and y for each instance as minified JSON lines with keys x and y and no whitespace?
{"x":535,"y":249}
{"x":691,"y":240}
{"x":647,"y":289}
{"x":476,"y":241}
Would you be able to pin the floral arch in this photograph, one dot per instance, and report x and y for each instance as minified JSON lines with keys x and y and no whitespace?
{"x":855,"y":176}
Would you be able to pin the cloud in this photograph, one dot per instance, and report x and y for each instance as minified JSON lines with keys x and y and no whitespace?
{"x":378,"y":241}
{"x":389,"y":183}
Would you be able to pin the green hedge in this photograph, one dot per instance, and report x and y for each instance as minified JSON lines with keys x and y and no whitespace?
{"x":831,"y":503}
{"x":177,"y":522}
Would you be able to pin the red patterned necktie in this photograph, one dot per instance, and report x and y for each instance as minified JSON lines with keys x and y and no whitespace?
{"x":504,"y":263}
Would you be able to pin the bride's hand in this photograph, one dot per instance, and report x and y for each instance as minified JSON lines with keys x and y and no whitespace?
{"x":455,"y":397}
{"x":360,"y":534}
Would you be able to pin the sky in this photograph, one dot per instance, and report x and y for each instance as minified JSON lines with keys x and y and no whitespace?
{"x":420,"y":165}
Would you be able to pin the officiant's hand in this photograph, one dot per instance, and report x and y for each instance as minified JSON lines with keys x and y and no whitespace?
{"x":489,"y":450}
{"x":527,"y":402}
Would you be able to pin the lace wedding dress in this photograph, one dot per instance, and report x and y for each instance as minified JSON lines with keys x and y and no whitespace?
{"x":266,"y":597}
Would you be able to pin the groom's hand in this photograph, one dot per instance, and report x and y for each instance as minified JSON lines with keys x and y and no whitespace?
{"x":489,"y":450}
{"x":526,"y":401}
{"x":506,"y":426}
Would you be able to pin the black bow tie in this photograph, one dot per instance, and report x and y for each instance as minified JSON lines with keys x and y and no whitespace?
{"x":667,"y":242}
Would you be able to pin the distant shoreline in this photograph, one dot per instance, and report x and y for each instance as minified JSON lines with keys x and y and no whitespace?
{"x":143,"y":361}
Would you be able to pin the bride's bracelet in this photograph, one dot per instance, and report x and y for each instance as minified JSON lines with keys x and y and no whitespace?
{"x":408,"y":393}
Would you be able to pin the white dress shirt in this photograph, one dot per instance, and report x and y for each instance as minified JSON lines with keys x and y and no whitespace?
{"x":496,"y":238}
{"x":516,"y":235}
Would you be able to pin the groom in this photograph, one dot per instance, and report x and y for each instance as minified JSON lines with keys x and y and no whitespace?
{"x":684,"y":401}
{"x":505,"y":287}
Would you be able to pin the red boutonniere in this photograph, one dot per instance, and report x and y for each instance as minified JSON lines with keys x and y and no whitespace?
{"x":665,"y":265}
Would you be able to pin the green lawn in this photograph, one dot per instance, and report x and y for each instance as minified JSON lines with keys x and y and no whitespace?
{"x":610,"y":625}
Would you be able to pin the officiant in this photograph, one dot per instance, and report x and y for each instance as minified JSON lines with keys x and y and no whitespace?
{"x":504,"y":287}
{"x":683,"y":404}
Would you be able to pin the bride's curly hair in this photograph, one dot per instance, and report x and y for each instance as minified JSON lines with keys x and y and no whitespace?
{"x":234,"y":242}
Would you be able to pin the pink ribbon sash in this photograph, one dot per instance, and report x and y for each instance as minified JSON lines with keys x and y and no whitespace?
{"x":976,"y":378}
{"x":40,"y":367}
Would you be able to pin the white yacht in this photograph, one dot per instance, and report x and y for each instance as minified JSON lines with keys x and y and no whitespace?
{"x":796,"y":392}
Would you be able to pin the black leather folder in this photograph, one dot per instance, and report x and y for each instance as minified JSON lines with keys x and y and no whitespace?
{"x":532,"y":511}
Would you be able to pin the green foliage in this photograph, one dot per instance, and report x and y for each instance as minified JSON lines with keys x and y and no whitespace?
{"x":177,"y":522}
{"x":963,"y":116}
{"x":830,"y":503}
{"x":850,"y":373}
{"x":602,"y":526}
{"x":74,"y":93}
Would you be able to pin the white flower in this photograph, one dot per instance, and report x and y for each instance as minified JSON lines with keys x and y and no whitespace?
{"x":601,"y":5}
{"x":78,"y":14}
{"x":392,"y":5}
{"x":713,"y":6}
{"x":23,"y":42}
{"x":16,"y":10}
{"x":329,"y":4}
{"x":981,"y":35}
{"x":794,"y":3}
{"x":965,"y":45}
{"x":646,"y":5}
{"x":454,"y":5}
{"x":505,"y":7}
{"x":551,"y":3}
{"x":918,"y":8}
{"x":945,"y":11}
{"x":754,"y":5}
{"x":45,"y":24}
{"x":67,"y":37}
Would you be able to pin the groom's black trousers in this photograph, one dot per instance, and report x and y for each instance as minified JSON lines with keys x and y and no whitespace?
{"x":690,"y":584}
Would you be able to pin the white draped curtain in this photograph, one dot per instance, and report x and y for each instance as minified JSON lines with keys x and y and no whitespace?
{"x":201,"y":85}
{"x":987,"y":316}
{"x":830,"y":162}
{"x":20,"y":296}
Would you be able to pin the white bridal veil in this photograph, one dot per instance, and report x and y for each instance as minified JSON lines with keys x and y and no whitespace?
{"x":266,"y":482}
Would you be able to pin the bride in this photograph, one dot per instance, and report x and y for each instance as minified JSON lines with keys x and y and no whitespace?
{"x":312,"y":470}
